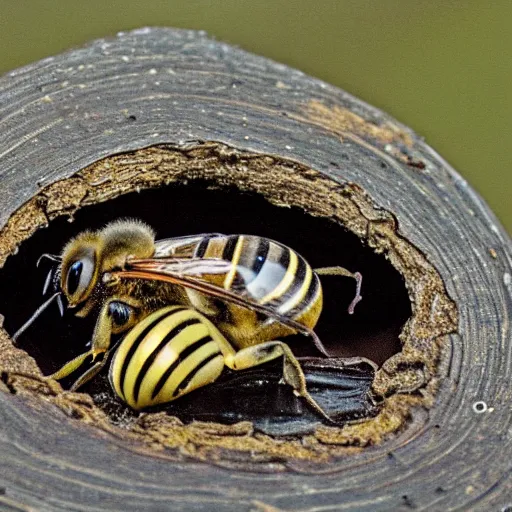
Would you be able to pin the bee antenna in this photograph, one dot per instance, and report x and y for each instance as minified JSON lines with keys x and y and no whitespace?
{"x":36,"y":313}
{"x":47,"y":281}
{"x":52,"y":257}
{"x":60,"y":304}
{"x":52,"y":279}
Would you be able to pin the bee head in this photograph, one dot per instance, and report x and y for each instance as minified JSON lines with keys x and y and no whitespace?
{"x":90,"y":254}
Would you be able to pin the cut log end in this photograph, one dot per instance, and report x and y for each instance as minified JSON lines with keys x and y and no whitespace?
{"x":296,"y":205}
{"x":118,"y":128}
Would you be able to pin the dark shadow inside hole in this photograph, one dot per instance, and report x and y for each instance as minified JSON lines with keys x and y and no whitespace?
{"x":372,"y":331}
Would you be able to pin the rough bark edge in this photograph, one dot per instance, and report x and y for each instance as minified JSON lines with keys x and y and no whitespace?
{"x":407,"y":380}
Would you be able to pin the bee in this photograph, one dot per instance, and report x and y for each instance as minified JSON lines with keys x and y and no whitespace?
{"x":246,"y":291}
{"x":176,"y":350}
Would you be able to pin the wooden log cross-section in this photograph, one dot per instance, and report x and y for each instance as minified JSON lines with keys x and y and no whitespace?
{"x":194,"y":136}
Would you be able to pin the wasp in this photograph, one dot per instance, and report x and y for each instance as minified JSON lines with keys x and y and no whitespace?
{"x":244,"y":291}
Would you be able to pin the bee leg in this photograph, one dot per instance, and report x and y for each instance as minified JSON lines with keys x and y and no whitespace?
{"x":340,"y":271}
{"x":292,"y":372}
{"x":37,"y":312}
{"x":74,"y":364}
{"x":90,"y":373}
{"x":317,"y":342}
{"x":99,"y":345}
{"x":70,"y":366}
{"x":115,"y":316}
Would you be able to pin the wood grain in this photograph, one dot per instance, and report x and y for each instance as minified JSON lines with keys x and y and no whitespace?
{"x":178,"y":88}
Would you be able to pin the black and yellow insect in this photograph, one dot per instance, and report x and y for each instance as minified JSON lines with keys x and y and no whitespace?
{"x":250,"y":289}
{"x":176,"y":350}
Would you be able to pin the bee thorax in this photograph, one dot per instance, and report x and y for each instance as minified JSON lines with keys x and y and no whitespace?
{"x":123,"y":240}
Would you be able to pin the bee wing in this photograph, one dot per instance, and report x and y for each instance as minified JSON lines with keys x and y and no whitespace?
{"x":180,"y":246}
{"x":181,"y":266}
{"x":185,"y":271}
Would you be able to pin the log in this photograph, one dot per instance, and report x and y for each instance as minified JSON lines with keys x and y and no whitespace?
{"x":193,"y":135}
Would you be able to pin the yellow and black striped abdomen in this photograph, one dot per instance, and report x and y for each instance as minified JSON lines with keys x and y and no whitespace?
{"x":267,"y":271}
{"x":168,"y":354}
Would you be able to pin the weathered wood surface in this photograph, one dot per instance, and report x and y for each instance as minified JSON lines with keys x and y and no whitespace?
{"x":165,"y":86}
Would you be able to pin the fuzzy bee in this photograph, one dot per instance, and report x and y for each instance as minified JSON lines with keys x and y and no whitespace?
{"x":244,"y":291}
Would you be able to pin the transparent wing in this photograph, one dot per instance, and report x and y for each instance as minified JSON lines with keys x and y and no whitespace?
{"x":181,"y":246}
{"x":180,"y":266}
{"x":190,"y":272}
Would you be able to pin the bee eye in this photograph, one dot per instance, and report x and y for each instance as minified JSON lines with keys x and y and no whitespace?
{"x":119,"y":312}
{"x":79,"y":277}
{"x":74,"y":274}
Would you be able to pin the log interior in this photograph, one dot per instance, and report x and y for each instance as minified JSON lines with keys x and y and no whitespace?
{"x":212,"y":188}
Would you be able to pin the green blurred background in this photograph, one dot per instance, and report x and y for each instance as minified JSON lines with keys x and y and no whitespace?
{"x":443,"y":67}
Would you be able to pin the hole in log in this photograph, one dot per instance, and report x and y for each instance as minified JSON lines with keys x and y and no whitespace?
{"x":212,"y":188}
{"x":372,"y":331}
